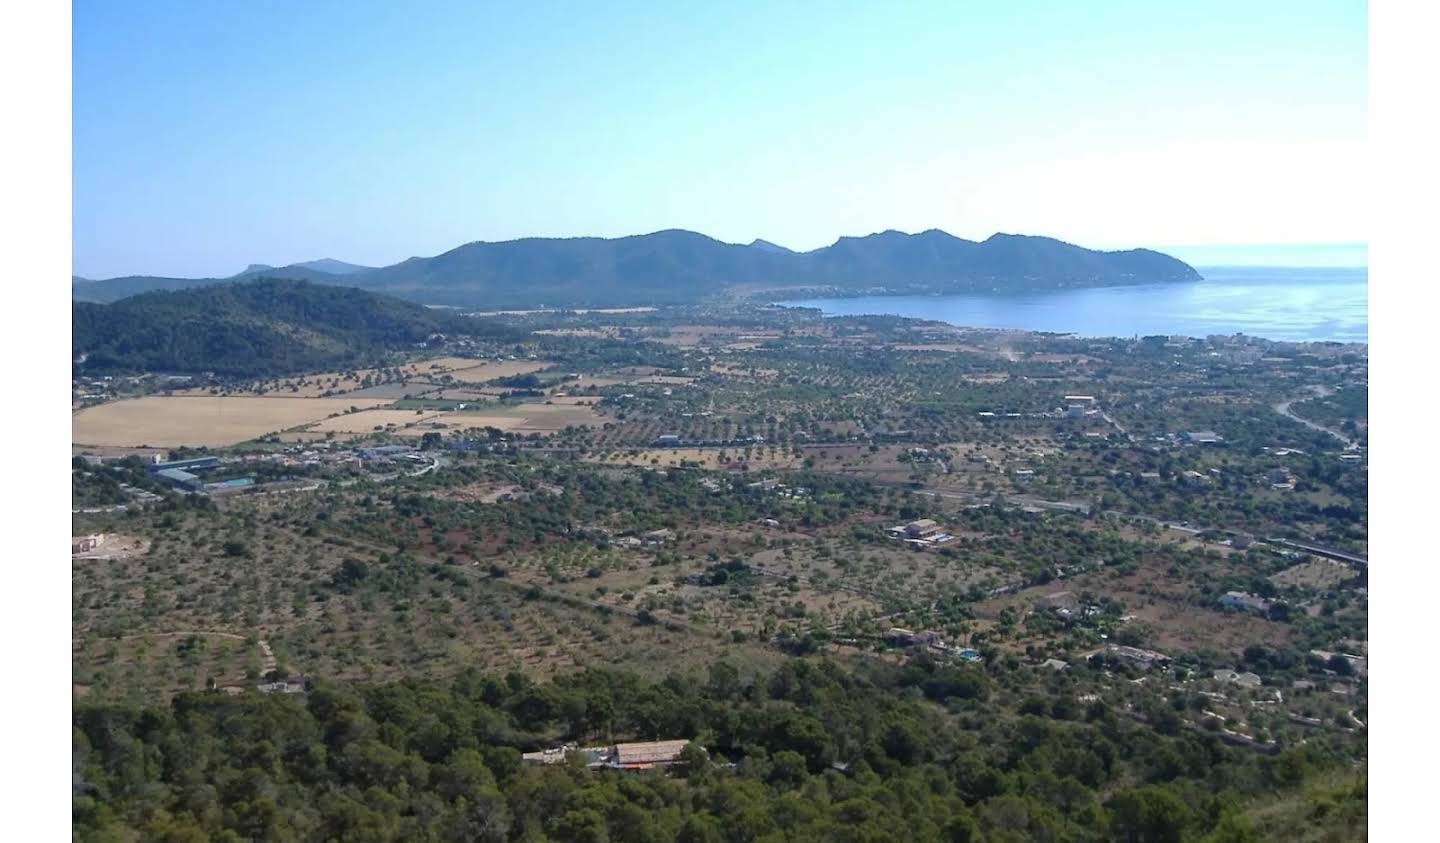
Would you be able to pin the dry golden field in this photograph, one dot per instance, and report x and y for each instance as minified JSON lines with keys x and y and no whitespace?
{"x":460,"y":394}
{"x":606,"y":332}
{"x":366,"y":421}
{"x":574,"y":400}
{"x":300,"y":386}
{"x":544,"y":418}
{"x":172,"y":421}
{"x":448,"y":422}
{"x":418,"y":375}
{"x":521,"y":418}
{"x":482,"y":371}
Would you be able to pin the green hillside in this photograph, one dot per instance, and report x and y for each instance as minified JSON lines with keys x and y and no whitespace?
{"x":264,"y":327}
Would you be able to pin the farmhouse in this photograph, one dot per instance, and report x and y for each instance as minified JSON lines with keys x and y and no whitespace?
{"x":1060,"y":600}
{"x":288,"y":685}
{"x":1245,"y":602}
{"x":1194,"y":478}
{"x":1280,"y":478}
{"x":1203,"y":437}
{"x":1136,"y":657}
{"x":646,"y":756}
{"x":922,"y":529}
{"x":621,"y":756}
{"x":1244,"y":680}
{"x":899,"y":636}
{"x":554,"y":755}
{"x":85,"y":544}
{"x":659,"y":536}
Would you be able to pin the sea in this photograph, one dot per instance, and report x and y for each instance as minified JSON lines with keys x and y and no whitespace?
{"x":1293,"y":304}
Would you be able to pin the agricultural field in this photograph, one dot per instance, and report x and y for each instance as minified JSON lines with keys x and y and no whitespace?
{"x":478,"y":372}
{"x":449,"y":394}
{"x":409,"y":378}
{"x":188,"y":613}
{"x":888,"y":572}
{"x":317,"y":385}
{"x":367,"y":421}
{"x":173,"y":421}
{"x":529,"y":417}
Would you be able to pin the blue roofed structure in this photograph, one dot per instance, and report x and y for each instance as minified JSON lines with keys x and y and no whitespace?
{"x":179,"y":477}
{"x":192,"y":464}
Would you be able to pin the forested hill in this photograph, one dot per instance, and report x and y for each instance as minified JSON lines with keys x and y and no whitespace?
{"x":264,"y":327}
{"x":806,"y":754}
{"x":676,"y":267}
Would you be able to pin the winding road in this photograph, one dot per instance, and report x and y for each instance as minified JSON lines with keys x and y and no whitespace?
{"x":1283,"y":408}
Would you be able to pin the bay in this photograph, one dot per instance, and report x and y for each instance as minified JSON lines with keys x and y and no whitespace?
{"x":1295,"y":304}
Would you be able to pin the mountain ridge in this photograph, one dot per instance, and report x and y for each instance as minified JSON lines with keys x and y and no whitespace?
{"x":676,"y":266}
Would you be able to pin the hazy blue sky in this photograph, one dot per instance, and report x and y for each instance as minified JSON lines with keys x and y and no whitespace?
{"x":211,"y":135}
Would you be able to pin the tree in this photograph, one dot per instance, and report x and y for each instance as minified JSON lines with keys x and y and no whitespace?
{"x":700,"y":828}
{"x":1151,"y":814}
{"x":584,"y":825}
{"x":904,"y":742}
{"x":724,"y":683}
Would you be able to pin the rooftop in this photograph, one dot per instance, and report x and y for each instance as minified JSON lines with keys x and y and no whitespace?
{"x":653,"y":752}
{"x":177,"y":475}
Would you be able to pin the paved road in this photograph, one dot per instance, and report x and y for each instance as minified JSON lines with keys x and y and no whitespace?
{"x":1322,"y":550}
{"x":1123,"y":432}
{"x":1283,"y":408}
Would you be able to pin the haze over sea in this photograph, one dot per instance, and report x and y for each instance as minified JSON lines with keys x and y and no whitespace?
{"x":1277,"y":303}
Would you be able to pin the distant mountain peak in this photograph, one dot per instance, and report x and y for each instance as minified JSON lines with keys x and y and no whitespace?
{"x":767,"y":246}
{"x":256,"y":267}
{"x":333,"y":267}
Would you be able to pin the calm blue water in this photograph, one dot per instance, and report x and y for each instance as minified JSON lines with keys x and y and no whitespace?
{"x":1275,"y":303}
